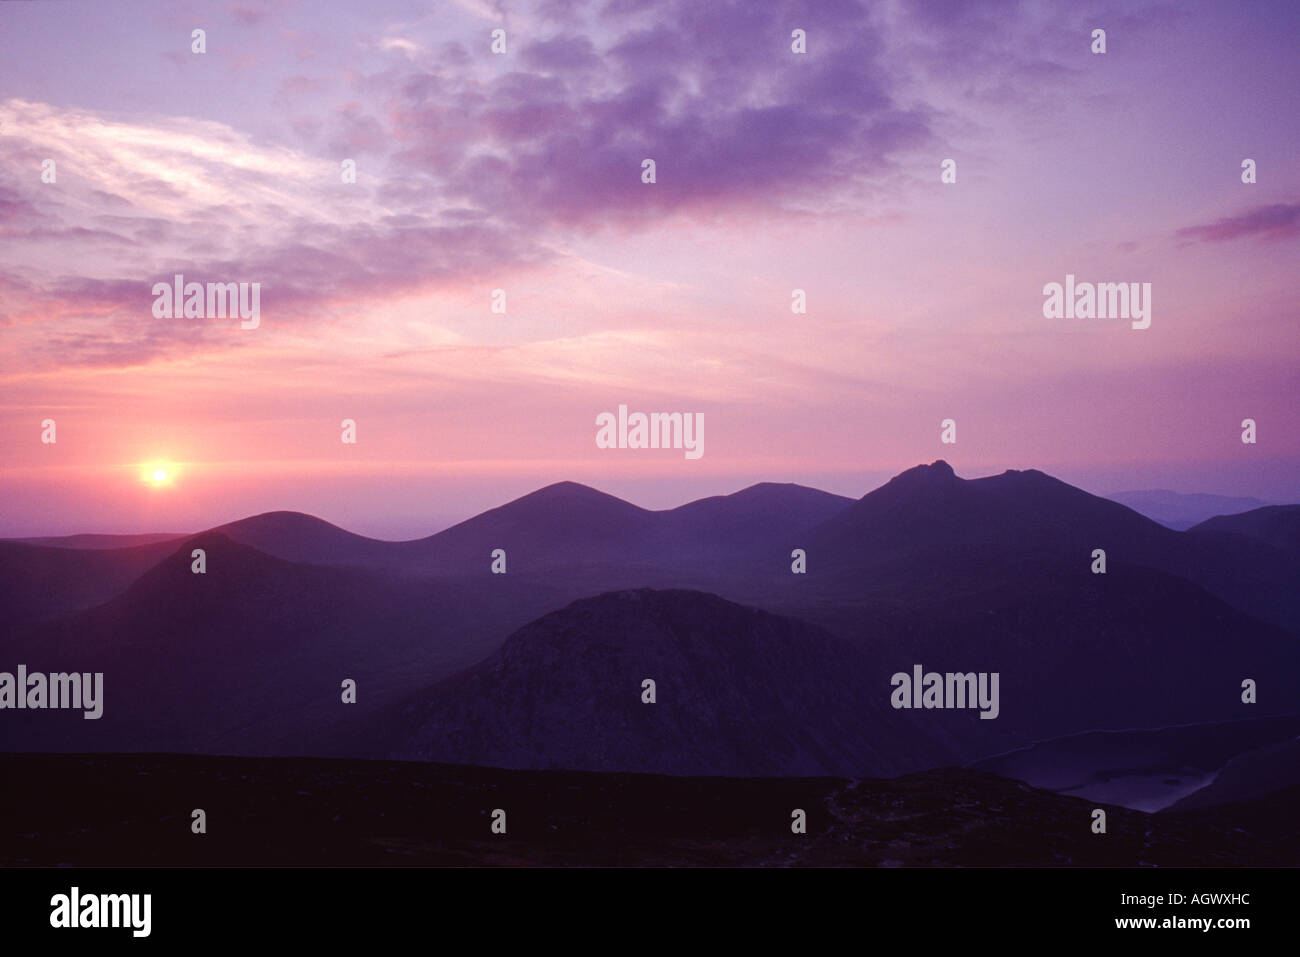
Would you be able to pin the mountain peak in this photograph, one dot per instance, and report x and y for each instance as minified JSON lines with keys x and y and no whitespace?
{"x":572,"y":494}
{"x":937,"y":472}
{"x":560,"y":489}
{"x":282,"y":520}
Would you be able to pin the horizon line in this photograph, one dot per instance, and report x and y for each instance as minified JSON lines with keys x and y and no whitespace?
{"x":163,"y":536}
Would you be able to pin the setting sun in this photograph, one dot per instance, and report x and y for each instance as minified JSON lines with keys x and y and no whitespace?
{"x":158,"y":473}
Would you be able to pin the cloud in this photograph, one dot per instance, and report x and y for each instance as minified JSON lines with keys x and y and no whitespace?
{"x":15,"y":209}
{"x":246,"y":15}
{"x":401,"y":45}
{"x":735,"y":121}
{"x":1278,"y":221}
{"x":470,"y":165}
{"x":301,"y":85}
{"x":357,"y":133}
{"x":138,"y":201}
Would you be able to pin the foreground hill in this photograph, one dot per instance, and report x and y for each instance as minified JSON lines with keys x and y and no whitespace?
{"x":738,"y":692}
{"x":134,"y":811}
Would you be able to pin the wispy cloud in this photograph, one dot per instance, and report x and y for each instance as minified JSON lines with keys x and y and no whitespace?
{"x":1276,"y":221}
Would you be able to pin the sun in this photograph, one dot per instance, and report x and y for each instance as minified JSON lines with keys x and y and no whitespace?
{"x":158,"y":474}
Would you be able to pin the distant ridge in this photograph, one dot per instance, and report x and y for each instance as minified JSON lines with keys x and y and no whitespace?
{"x":298,"y":537}
{"x":563,"y":524}
{"x":97,"y":542}
{"x":1182,"y":510}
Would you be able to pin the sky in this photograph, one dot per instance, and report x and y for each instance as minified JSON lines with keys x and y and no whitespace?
{"x":522,"y":171}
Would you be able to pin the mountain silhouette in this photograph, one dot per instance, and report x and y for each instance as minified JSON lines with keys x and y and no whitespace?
{"x":571,"y":525}
{"x":970,"y":531}
{"x":767,"y":513}
{"x":928,"y":508}
{"x":987,"y":575}
{"x":561,"y":525}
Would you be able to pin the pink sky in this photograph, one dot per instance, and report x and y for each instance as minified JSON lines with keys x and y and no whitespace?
{"x":521,"y":171}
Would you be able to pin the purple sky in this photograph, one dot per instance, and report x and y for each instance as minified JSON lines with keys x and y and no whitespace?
{"x":521,"y":171}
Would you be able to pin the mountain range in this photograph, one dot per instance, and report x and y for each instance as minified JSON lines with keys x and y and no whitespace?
{"x":759,"y":670}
